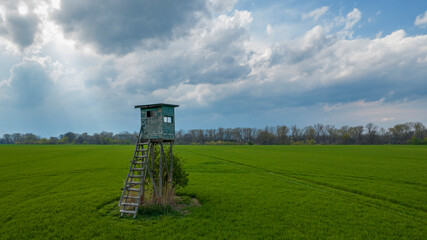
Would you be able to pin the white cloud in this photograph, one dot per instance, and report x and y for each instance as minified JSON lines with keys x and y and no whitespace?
{"x":421,"y":20}
{"x":356,"y":104}
{"x":352,"y":18}
{"x":322,"y":68}
{"x":22,"y":8}
{"x":387,"y":119}
{"x":318,"y":62}
{"x":315,"y":14}
{"x":239,"y":19}
{"x":269,"y":29}
{"x":56,"y":4}
{"x":222,"y":5}
{"x":346,"y":23}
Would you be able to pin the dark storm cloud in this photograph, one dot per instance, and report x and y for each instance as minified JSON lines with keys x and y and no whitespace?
{"x":22,"y":29}
{"x":117,"y":26}
{"x":30,"y":85}
{"x":19,"y":28}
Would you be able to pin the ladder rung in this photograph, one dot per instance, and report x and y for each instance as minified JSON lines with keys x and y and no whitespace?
{"x":128,"y":211}
{"x":130,"y":204}
{"x":137,"y":162}
{"x":141,"y":156}
{"x":131,"y":197}
{"x":142,"y":150}
{"x":137,"y":169}
{"x":134,"y":183}
{"x":144,"y":143}
{"x":131,"y":189}
{"x":136,"y":176}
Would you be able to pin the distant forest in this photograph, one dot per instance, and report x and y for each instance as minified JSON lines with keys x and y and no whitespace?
{"x":406,"y":133}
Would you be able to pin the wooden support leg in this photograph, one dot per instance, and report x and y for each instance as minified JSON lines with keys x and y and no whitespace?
{"x":171,"y":168}
{"x":161,"y":173}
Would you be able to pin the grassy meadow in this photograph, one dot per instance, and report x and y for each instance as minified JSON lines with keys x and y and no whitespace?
{"x":246,"y":192}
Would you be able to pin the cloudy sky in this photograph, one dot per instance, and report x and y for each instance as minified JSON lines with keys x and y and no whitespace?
{"x":81,"y":66}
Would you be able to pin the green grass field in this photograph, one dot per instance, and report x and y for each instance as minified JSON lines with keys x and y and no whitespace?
{"x":246,"y":192}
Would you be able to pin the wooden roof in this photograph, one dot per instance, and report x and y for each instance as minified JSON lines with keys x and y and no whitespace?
{"x":155,"y":105}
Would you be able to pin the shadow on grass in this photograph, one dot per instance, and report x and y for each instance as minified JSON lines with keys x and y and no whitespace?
{"x":183,"y":205}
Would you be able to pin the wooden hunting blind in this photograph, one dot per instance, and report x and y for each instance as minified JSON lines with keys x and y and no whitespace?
{"x":158,"y":121}
{"x":157,"y":127}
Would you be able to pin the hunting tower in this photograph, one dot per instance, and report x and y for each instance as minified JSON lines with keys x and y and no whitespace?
{"x":157,"y":128}
{"x":157,"y":121}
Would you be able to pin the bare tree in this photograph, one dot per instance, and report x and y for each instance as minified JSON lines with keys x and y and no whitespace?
{"x":419,"y":130}
{"x":309,"y":133}
{"x":332,"y":134}
{"x":371,"y":132}
{"x":265,"y":136}
{"x":319,"y":130}
{"x":296,"y":133}
{"x":356,"y":134}
{"x":282,"y":134}
{"x":344,"y":135}
{"x":248,"y":134}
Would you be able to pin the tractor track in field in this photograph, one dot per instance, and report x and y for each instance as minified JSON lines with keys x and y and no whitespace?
{"x":378,"y":179}
{"x":369,"y":178}
{"x":317,"y":185}
{"x":59,"y":173}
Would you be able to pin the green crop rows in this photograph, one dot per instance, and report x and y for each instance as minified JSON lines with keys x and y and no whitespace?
{"x":246,"y":192}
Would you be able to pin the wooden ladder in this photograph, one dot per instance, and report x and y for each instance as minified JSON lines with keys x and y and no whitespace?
{"x":133,"y":191}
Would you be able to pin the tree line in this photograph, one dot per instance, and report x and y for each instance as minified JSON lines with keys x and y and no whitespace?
{"x":406,"y":133}
{"x":102,"y":138}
